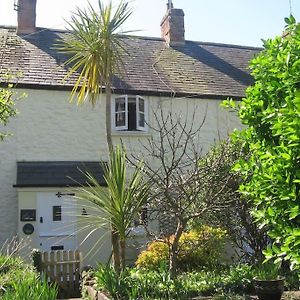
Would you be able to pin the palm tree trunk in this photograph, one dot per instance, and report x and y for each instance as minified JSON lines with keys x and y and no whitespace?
{"x":114,"y":233}
{"x":122,"y":253}
{"x":108,"y":117}
{"x":115,"y":249}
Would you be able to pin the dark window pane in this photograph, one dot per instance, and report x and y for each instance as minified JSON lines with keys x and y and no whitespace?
{"x":56,"y":213}
{"x":132,"y":116}
{"x":120,"y":119}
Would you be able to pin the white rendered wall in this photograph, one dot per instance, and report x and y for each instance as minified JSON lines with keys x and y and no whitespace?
{"x":49,"y":128}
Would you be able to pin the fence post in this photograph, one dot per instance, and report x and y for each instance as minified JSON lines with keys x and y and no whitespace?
{"x":37,"y":260}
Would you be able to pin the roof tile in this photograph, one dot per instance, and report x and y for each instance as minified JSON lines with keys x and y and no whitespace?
{"x":150,"y":65}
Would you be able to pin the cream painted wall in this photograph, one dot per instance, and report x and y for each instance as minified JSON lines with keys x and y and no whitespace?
{"x":95,"y":249}
{"x":49,"y":128}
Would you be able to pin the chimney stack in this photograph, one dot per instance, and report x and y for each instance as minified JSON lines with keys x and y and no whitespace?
{"x":26,"y":16}
{"x":172,"y":26}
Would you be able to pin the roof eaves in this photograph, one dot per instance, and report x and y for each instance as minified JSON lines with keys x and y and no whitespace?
{"x":171,"y":94}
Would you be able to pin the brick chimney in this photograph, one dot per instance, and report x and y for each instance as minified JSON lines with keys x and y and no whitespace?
{"x":26,"y":16}
{"x":172,"y":26}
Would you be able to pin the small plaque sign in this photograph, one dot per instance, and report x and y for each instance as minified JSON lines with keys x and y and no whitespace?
{"x":28,"y":229}
{"x":28,"y":215}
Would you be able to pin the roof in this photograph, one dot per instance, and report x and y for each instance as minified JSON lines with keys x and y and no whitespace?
{"x":151,"y":67}
{"x":57,"y":173}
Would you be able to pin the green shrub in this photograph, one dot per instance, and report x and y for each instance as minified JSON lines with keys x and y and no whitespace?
{"x":30,"y":287}
{"x":236,"y":279}
{"x":19,"y":281}
{"x":157,"y":284}
{"x":202,"y":247}
{"x":8,"y":263}
{"x":138,"y":284}
{"x":197,"y":248}
{"x":292,"y":281}
{"x":112,"y":283}
{"x":11,"y":268}
{"x":155,"y":255}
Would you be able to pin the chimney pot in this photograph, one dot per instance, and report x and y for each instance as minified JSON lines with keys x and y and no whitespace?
{"x":26,"y":16}
{"x":172,"y":26}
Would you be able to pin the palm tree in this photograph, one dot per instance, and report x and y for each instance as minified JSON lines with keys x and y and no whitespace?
{"x":123,"y":198}
{"x":95,"y":51}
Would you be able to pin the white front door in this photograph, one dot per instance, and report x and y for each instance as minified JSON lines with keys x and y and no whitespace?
{"x":56,"y":219}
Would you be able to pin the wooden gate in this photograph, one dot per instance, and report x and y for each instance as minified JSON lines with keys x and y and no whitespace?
{"x":63,"y":268}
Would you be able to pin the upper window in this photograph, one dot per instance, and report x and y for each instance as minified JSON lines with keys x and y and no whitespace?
{"x":129,"y":113}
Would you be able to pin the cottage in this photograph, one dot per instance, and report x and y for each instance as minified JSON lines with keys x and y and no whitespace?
{"x":52,"y":138}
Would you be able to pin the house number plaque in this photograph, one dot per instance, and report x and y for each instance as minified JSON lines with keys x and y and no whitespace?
{"x":28,"y":215}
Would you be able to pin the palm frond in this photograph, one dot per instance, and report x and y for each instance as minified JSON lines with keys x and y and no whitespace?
{"x":123,"y":198}
{"x":94,"y":48}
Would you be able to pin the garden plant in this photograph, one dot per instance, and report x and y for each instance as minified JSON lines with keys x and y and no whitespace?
{"x":19,"y":281}
{"x":271,"y":113}
{"x":95,"y":52}
{"x":8,"y":98}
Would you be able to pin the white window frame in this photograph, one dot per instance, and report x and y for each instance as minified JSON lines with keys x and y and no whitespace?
{"x":114,"y":113}
{"x":138,"y":113}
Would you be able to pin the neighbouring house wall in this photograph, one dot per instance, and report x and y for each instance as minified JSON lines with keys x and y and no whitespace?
{"x":49,"y":128}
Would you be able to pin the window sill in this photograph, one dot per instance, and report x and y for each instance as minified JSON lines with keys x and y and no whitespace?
{"x":130,"y":133}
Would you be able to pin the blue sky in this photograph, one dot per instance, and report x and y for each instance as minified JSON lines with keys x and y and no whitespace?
{"x":242,"y":22}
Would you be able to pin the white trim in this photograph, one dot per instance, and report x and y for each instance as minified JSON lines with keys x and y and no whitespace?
{"x":114,"y":112}
{"x":59,"y":234}
{"x":132,"y":133}
{"x":124,"y":128}
{"x":138,"y":112}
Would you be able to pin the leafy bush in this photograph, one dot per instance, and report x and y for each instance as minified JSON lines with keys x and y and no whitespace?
{"x":30,"y":287}
{"x":223,"y":283}
{"x":271,"y":112}
{"x":12,"y":268}
{"x":155,"y":255}
{"x":19,"y":281}
{"x":292,"y":281}
{"x":157,"y":284}
{"x":243,"y":232}
{"x":197,"y":248}
{"x":9,"y":263}
{"x":236,"y":279}
{"x":137,"y":283}
{"x":202,"y":247}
